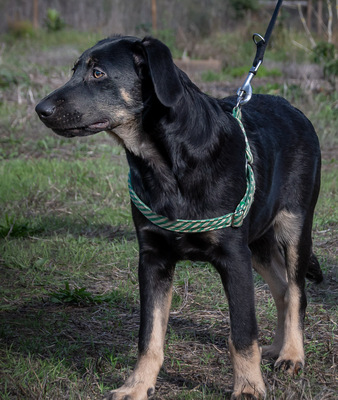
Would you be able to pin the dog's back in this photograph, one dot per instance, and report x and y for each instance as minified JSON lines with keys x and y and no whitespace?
{"x":283,"y":138}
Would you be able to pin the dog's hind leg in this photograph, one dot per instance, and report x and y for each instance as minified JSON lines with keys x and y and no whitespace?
{"x":293,"y":232}
{"x":269,"y":262}
{"x":155,"y":277}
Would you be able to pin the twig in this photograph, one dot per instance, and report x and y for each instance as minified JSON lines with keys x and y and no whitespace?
{"x":217,"y":349}
{"x":301,"y":46}
{"x":329,"y":22}
{"x":301,"y":15}
{"x":10,"y":229}
{"x":185,"y":298}
{"x":2,"y":49}
{"x":109,"y":183}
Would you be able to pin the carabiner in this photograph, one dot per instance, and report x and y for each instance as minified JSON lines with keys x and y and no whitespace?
{"x":244,"y":93}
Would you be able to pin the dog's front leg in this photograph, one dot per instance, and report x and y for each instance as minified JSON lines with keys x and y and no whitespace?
{"x":236,"y":274}
{"x":155,"y":277}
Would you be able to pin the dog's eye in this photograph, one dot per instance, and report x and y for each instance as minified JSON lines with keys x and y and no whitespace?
{"x":97,"y":74}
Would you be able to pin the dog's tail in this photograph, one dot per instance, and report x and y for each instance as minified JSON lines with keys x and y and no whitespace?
{"x":314,"y":272}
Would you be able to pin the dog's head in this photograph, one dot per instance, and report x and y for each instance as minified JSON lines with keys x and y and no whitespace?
{"x":112,"y":85}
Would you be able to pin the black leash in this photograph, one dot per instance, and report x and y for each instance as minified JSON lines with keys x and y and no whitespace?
{"x":245,"y":92}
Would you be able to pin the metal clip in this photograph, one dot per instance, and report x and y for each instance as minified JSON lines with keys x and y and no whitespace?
{"x":244,"y":93}
{"x":260,"y":37}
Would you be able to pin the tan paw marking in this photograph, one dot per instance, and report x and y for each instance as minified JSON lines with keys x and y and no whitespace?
{"x":248,"y":379}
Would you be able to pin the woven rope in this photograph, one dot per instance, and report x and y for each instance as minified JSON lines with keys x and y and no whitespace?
{"x":234,"y":219}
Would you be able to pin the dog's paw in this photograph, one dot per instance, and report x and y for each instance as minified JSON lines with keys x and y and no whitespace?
{"x":249,"y":392}
{"x":248,"y":380}
{"x":291,"y":367}
{"x":291,"y":360}
{"x":137,"y":392}
{"x":249,"y":387}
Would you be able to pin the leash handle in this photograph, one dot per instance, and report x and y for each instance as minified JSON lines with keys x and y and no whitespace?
{"x":244,"y":93}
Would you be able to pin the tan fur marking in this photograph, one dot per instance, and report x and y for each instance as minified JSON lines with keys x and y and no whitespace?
{"x":292,"y":260}
{"x":287,"y":227}
{"x":130,"y":135}
{"x":275,"y":276}
{"x":148,"y":365}
{"x":293,"y":347}
{"x":125,"y":96}
{"x":122,"y":114}
{"x":212,"y":237}
{"x":247,"y":374}
{"x":118,"y":140}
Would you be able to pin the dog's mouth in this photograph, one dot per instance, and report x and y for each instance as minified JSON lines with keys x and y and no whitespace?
{"x":91,"y":129}
{"x":100,"y":125}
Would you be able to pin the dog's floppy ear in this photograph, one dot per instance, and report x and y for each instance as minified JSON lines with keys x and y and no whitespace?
{"x":167,"y":85}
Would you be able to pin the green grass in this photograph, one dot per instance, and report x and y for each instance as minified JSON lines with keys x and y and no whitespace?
{"x":69,"y":309}
{"x":37,"y":378}
{"x":239,"y":72}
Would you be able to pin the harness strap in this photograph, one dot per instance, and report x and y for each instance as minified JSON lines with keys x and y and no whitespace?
{"x":234,"y":219}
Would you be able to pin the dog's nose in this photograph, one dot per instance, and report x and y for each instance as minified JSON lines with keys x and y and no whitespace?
{"x":45,"y":109}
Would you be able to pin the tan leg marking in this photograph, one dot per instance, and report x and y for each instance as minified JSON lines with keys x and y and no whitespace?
{"x":275,"y":276}
{"x":247,"y":373}
{"x":287,"y":227}
{"x":141,"y":382}
{"x":291,"y":357}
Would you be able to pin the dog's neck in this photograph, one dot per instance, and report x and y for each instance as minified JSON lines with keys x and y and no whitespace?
{"x":170,"y":163}
{"x":132,"y":137}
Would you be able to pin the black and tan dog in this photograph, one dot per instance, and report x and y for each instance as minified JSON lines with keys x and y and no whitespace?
{"x":187,"y":161}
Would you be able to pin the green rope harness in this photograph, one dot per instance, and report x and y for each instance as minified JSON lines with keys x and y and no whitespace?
{"x":234,"y":219}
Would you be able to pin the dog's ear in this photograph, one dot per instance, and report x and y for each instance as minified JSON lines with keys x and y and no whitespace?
{"x":163,"y":72}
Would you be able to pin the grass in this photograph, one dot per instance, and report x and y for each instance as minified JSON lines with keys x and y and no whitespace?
{"x":68,"y":259}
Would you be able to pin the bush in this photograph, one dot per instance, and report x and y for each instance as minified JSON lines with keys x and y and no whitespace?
{"x":242,"y":6}
{"x":12,"y":76}
{"x":20,"y":29}
{"x":325,"y":54}
{"x":54,"y":22}
{"x":331,"y":71}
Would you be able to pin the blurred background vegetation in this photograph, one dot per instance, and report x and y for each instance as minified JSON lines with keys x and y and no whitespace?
{"x":198,"y":30}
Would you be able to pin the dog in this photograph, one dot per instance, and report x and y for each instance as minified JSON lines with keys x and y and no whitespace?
{"x":187,"y":158}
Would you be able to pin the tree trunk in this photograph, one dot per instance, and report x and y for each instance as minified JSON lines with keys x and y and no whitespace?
{"x":154,"y":15}
{"x":320,"y":17}
{"x":36,"y":14}
{"x":309,"y":14}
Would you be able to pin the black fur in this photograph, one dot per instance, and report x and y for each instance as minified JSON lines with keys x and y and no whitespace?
{"x":187,"y":160}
